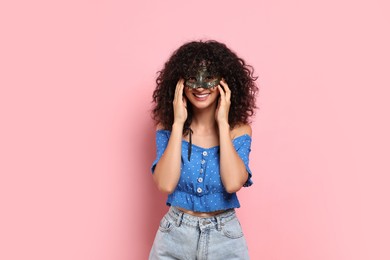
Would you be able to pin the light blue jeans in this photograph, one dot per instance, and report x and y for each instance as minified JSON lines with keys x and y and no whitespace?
{"x":182,"y":236}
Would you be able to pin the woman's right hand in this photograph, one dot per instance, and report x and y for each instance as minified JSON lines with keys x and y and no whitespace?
{"x":180,"y":104}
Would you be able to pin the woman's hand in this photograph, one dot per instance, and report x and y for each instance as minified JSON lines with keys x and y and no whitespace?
{"x":179,"y":104}
{"x":222,"y":112}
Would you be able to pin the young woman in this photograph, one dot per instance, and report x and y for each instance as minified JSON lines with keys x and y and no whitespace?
{"x":204,"y":98}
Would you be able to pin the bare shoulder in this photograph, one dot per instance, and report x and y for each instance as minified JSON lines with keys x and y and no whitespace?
{"x":241,"y":129}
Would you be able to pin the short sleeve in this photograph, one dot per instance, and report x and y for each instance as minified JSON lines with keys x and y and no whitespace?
{"x":243,"y":148}
{"x":162,"y":137}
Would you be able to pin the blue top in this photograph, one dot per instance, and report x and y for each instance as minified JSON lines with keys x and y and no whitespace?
{"x":200,"y":187}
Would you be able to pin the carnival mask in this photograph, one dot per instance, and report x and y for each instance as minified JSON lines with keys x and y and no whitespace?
{"x":202,"y":79}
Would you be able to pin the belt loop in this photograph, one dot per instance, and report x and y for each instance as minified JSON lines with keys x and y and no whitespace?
{"x":218,"y":223}
{"x":179,"y":219}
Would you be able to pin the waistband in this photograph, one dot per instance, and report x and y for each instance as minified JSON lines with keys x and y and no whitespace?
{"x":179,"y":217}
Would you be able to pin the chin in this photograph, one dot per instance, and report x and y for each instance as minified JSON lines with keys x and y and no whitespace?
{"x":202,"y":105}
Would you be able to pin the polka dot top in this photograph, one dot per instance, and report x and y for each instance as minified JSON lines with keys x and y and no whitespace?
{"x":200,"y":187}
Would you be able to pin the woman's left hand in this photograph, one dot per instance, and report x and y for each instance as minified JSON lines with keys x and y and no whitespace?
{"x":222,"y":112}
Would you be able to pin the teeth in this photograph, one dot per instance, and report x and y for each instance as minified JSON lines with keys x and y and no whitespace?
{"x":201,"y":95}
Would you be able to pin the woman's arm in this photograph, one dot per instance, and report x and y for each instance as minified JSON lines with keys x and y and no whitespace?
{"x":167,"y":171}
{"x":232,"y":168}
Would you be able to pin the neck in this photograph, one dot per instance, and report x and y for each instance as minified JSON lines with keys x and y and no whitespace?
{"x":203,"y":121}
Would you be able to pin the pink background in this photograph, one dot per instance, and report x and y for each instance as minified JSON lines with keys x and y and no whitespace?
{"x":77,"y":140}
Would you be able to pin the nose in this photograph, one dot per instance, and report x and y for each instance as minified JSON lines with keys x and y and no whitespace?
{"x":199,"y":86}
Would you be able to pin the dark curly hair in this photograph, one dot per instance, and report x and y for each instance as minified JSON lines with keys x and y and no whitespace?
{"x":220,"y":61}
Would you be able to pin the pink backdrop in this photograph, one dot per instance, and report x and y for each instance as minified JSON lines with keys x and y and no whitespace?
{"x":77,"y":140}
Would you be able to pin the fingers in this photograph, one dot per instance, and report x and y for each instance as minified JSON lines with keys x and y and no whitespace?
{"x":176,"y":89}
{"x":222,"y":92}
{"x":179,"y":103}
{"x":222,"y":113}
{"x":226,"y":88}
{"x":179,"y":89}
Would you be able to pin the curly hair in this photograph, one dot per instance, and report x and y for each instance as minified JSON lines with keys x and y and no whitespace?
{"x":221,"y":61}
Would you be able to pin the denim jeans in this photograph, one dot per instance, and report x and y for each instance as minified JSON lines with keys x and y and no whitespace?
{"x":182,"y":236}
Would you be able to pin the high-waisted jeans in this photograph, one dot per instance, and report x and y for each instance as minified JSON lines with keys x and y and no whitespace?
{"x":182,"y":236}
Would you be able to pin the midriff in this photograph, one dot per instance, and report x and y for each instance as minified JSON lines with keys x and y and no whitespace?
{"x":201,"y":214}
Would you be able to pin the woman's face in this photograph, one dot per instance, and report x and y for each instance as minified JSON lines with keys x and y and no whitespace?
{"x":201,"y":87}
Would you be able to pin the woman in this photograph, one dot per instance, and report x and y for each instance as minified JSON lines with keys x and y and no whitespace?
{"x":204,"y":98}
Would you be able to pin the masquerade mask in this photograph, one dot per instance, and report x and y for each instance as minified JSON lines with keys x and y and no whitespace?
{"x":202,"y":79}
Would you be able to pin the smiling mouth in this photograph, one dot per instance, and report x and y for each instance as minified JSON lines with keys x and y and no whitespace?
{"x":201,"y":95}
